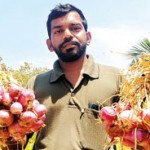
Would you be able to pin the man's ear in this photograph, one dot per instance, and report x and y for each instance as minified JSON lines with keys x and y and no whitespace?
{"x":49,"y":45}
{"x":89,"y":37}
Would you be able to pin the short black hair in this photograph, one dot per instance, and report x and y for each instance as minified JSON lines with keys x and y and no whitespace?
{"x":61,"y":10}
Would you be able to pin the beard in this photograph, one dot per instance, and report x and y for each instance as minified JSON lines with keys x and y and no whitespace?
{"x":70,"y":55}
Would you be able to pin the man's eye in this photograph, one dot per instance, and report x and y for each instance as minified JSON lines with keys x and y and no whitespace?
{"x":58,"y":32}
{"x":76,"y":29}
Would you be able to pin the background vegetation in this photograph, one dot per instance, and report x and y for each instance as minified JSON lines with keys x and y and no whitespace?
{"x":24,"y":72}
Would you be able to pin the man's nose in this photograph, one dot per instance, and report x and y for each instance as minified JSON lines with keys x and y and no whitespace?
{"x":67,"y":34}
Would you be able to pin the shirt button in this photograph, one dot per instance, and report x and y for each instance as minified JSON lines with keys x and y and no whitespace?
{"x":72,"y":94}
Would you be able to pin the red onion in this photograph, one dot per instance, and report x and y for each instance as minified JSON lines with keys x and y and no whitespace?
{"x":38,"y":125}
{"x":138,"y":135}
{"x":35,"y":103}
{"x":2,"y":90}
{"x":16,"y":131}
{"x":16,"y":108}
{"x":122,"y":106}
{"x":6,"y":99}
{"x":14,"y":90}
{"x":145,"y":115}
{"x":108,"y":114}
{"x":113,"y":130}
{"x":128,"y":118}
{"x":39,"y":109}
{"x":25,"y":97}
{"x":27,"y":119}
{"x":43,"y":117}
{"x":6,"y":118}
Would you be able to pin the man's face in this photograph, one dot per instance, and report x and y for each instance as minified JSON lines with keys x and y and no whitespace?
{"x":68,"y":37}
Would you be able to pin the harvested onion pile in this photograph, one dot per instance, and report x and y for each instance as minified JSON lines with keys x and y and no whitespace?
{"x":20,"y":112}
{"x":128,"y":121}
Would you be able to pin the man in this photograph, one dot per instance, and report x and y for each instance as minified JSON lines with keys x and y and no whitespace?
{"x":74,"y":89}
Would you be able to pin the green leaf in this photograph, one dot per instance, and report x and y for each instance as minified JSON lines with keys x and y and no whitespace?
{"x":31,"y":142}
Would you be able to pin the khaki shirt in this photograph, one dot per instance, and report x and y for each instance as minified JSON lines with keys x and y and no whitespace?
{"x":70,"y":123}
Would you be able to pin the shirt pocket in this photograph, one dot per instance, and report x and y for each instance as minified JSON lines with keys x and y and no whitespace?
{"x":92,"y":130}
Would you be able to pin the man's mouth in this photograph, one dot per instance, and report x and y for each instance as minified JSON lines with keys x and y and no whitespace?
{"x":69,"y":47}
{"x":68,"y":44}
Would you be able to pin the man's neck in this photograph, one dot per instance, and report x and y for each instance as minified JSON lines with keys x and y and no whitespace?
{"x":73,"y":66}
{"x":73,"y":70}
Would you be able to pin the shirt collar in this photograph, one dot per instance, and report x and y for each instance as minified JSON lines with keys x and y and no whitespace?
{"x":56,"y":72}
{"x":91,"y":70}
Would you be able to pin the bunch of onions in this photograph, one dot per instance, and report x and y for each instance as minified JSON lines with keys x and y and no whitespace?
{"x":129,"y":119}
{"x":20,"y":114}
{"x":130,"y":126}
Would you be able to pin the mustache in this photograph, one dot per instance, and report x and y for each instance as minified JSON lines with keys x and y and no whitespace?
{"x":69,"y":40}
